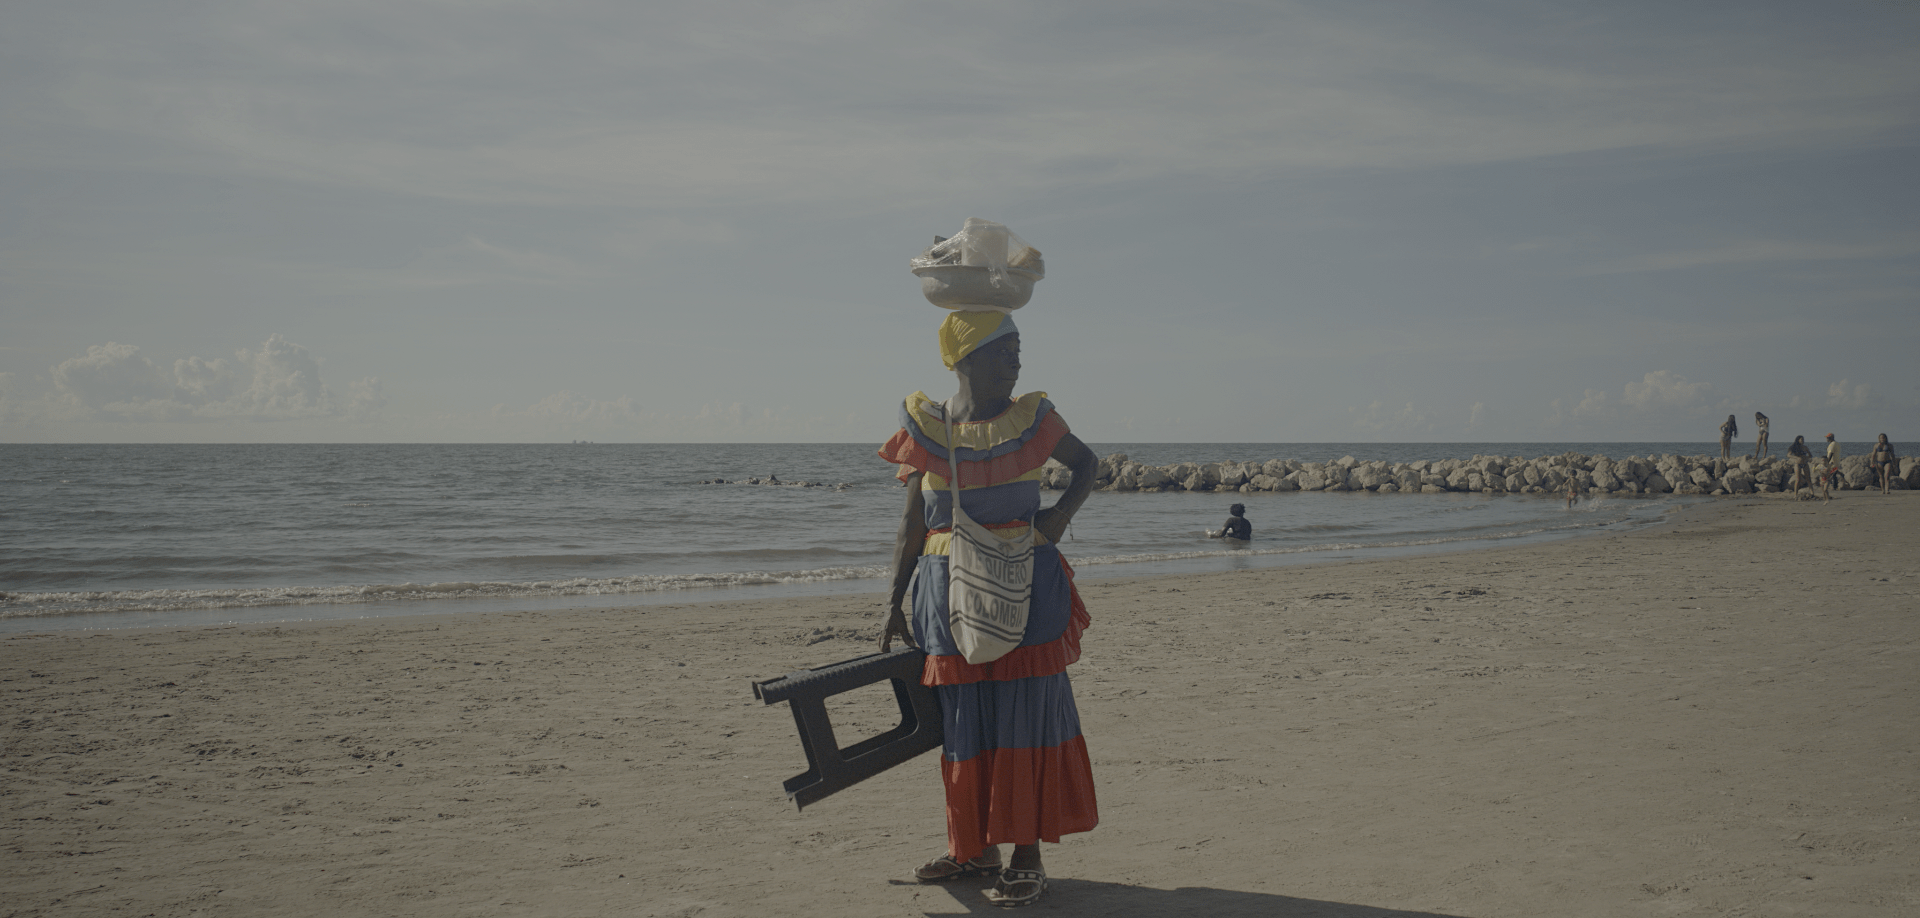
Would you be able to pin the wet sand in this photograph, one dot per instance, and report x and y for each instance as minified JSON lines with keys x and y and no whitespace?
{"x":1717,"y":717}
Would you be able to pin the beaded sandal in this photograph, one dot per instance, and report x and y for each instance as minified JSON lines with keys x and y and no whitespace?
{"x":946,"y":867}
{"x":1031,"y":884}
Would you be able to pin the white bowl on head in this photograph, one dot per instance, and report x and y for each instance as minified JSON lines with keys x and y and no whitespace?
{"x":963,"y":286}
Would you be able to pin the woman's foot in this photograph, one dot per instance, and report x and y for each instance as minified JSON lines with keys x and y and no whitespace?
{"x":1018,"y":887}
{"x":947,"y":867}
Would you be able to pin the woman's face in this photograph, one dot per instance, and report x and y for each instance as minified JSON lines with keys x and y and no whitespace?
{"x":993,"y":368}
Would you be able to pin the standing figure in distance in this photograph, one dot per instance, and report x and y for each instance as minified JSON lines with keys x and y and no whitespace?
{"x":1802,"y":464}
{"x":1014,"y":763}
{"x":1573,"y":489}
{"x":1760,"y":449}
{"x":1828,"y":477}
{"x":1884,"y":462}
{"x":1728,"y":431}
{"x":1236,"y":527}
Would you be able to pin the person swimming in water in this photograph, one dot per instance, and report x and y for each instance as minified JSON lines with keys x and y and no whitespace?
{"x":1236,"y":527}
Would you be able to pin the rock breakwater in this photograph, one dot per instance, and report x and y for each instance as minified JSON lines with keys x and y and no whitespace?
{"x":1630,"y":476}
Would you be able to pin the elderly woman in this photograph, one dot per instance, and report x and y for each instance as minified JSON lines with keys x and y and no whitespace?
{"x":1015,"y":766}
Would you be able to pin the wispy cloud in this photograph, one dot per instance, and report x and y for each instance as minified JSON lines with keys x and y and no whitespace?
{"x":677,"y":104}
{"x":1762,"y":250}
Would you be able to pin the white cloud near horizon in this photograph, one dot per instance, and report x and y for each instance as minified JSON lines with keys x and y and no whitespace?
{"x":280,"y":381}
{"x":1378,"y":420}
{"x":571,"y":416}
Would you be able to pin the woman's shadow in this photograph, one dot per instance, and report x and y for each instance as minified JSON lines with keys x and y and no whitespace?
{"x":1122,"y":900}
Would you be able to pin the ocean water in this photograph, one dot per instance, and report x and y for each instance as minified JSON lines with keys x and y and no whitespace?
{"x":134,"y":535}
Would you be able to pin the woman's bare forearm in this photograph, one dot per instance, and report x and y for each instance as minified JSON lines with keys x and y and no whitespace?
{"x":1080,"y":460}
{"x":910,"y":540}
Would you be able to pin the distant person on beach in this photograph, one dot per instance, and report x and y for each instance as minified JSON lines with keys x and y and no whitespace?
{"x":1884,"y":462}
{"x":1760,"y":449}
{"x":1573,"y":490}
{"x":1015,"y":767}
{"x":1236,"y":527}
{"x":1728,"y":431}
{"x":1802,"y":464}
{"x":1832,"y":474}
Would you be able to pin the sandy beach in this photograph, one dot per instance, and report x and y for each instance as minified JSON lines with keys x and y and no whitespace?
{"x":1716,"y":717}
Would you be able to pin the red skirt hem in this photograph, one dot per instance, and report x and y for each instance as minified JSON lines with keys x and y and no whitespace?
{"x":1018,"y":796}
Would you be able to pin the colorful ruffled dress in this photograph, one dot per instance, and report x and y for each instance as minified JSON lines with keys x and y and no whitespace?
{"x":1015,"y":765}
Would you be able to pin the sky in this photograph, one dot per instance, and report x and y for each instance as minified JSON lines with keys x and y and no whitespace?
{"x":505,"y":221}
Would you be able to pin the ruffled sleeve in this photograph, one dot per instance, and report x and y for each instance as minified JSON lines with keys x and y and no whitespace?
{"x":1019,"y":441}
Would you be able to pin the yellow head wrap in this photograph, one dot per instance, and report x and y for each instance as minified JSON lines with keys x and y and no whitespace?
{"x":963,"y":333}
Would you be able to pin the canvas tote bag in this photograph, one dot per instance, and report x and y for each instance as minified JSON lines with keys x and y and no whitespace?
{"x":989,"y":579}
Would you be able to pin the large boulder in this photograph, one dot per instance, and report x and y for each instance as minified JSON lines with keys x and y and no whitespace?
{"x":1056,"y":476}
{"x":1307,"y":480}
{"x":1233,"y":474}
{"x":1153,"y":478}
{"x":1368,"y":477}
{"x":1657,"y":483}
{"x":1857,"y":473}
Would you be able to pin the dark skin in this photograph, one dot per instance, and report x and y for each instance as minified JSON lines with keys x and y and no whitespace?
{"x":987,"y":377}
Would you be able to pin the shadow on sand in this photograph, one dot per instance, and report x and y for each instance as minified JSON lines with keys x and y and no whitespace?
{"x":1068,"y":896}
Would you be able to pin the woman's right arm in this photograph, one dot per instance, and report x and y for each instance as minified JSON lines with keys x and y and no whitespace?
{"x":906,"y":557}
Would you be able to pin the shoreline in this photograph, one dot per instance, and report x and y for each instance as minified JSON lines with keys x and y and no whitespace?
{"x":434,"y":600}
{"x":1714,"y":715}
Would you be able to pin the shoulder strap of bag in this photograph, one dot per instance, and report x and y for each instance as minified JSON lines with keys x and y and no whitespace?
{"x":953,"y":462}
